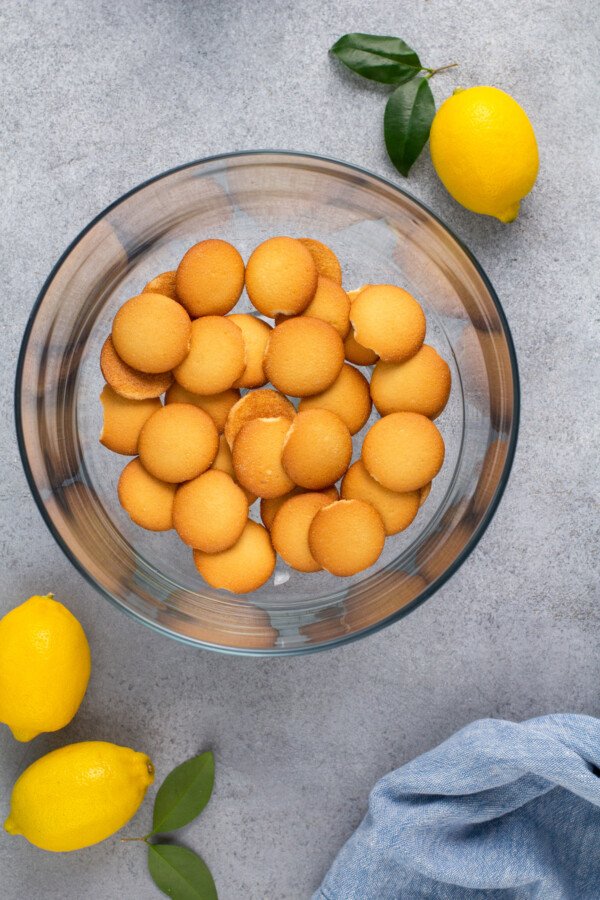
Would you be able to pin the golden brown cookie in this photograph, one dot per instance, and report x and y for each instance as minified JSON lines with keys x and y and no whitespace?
{"x":124,"y":420}
{"x":396,"y":510}
{"x":262,"y":404}
{"x":270,"y":508}
{"x":346,"y":537}
{"x":330,"y":304}
{"x":242,"y":568}
{"x":289,"y":532}
{"x":304,"y":356}
{"x":148,"y":501}
{"x":178,"y":443}
{"x":256,"y":336}
{"x":353,"y":294}
{"x":324,"y":258}
{"x":128,"y":382}
{"x":210,"y":278}
{"x":163,"y":284}
{"x":424,"y":493}
{"x":216,"y":405}
{"x":389,"y":321}
{"x":210,"y":512}
{"x":403,"y":451}
{"x":420,"y":384}
{"x":348,"y":397}
{"x":317,"y":449}
{"x":281,"y":277}
{"x":151,"y":333}
{"x":216,"y":359}
{"x":223,"y":461}
{"x":257,"y":457}
{"x":357,"y":354}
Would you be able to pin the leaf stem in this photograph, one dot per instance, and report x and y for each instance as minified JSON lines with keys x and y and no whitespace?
{"x":433,"y":72}
{"x":141,"y":839}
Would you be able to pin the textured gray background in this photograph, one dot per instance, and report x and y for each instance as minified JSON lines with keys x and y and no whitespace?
{"x":100,"y":95}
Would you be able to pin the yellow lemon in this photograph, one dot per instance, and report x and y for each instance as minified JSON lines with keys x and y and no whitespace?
{"x":44,"y":667}
{"x":484,"y":150}
{"x":78,"y":795}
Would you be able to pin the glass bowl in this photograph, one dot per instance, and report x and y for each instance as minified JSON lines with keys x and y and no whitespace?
{"x":381,"y":234}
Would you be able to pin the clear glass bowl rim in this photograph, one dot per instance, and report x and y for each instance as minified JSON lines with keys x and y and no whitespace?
{"x":431,"y":588}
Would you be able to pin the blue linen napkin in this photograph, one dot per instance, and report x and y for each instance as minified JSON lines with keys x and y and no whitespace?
{"x":500,"y":811}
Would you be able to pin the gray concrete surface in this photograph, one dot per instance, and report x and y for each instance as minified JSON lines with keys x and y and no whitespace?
{"x":100,"y":95}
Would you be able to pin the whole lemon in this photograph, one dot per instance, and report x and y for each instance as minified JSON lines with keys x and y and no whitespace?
{"x":484,"y":150}
{"x":78,"y":795}
{"x":44,"y":667}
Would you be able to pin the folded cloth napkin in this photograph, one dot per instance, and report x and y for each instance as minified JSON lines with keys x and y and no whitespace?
{"x":500,"y":810}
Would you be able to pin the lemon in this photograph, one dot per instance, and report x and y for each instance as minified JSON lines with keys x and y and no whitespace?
{"x":484,"y":150}
{"x":44,"y":667}
{"x":78,"y":795}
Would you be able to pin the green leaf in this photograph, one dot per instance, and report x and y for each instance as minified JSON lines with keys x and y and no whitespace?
{"x":380,"y":58}
{"x":179,"y":873}
{"x":407,"y":121}
{"x":184,"y":793}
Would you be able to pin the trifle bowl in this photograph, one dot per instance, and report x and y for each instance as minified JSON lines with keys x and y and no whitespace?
{"x":381,"y":235}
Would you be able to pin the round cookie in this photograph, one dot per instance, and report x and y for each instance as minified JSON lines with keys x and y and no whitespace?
{"x":257,"y":457}
{"x":128,"y":382}
{"x":210,"y":512}
{"x":256,"y":337}
{"x":281,"y":277}
{"x":353,"y":294}
{"x":163,"y":284}
{"x":424,"y":493}
{"x":348,"y":397}
{"x":304,"y":356}
{"x":420,"y":384}
{"x":270,"y":508}
{"x":330,"y":304}
{"x":263,"y":404}
{"x":123,"y":420}
{"x":317,"y":449}
{"x":223,"y":461}
{"x":151,"y":333}
{"x":216,"y":405}
{"x":178,"y":443}
{"x":210,"y":278}
{"x":324,"y":259}
{"x":346,"y":537}
{"x":403,"y":451}
{"x":289,"y":532}
{"x":356,"y":353}
{"x":397,"y":511}
{"x":216,"y":358}
{"x":148,"y":501}
{"x":242,"y":568}
{"x":389,"y":321}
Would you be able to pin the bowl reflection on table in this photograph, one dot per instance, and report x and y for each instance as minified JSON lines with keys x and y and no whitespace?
{"x":380,"y":234}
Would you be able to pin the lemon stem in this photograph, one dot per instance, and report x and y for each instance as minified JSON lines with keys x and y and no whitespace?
{"x":441,"y":69}
{"x":140,"y":839}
